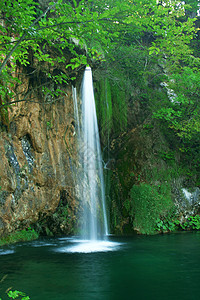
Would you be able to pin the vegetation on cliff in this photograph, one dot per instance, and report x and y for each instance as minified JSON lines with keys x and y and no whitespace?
{"x":158,"y":67}
{"x":19,"y":236}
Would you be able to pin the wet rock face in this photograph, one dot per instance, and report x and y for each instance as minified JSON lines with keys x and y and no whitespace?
{"x":36,"y":156}
{"x":187,"y":200}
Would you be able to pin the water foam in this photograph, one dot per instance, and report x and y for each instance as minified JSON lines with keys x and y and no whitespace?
{"x":5,"y":252}
{"x":89,"y":246}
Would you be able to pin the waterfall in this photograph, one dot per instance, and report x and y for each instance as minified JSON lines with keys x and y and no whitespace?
{"x":90,"y":173}
{"x":76,"y":112}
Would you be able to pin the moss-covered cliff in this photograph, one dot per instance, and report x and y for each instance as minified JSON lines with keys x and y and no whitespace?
{"x":151,"y":185}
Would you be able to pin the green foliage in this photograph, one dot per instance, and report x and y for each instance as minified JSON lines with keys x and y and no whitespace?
{"x":145,"y":205}
{"x":192,"y":6}
{"x":192,"y":223}
{"x":119,"y":107}
{"x":169,"y":223}
{"x":167,"y":155}
{"x":19,"y":236}
{"x":29,"y":36}
{"x":17,"y":295}
{"x":182,"y":113}
{"x":49,"y":125}
{"x":155,"y":64}
{"x":111,"y":104}
{"x":148,"y":127}
{"x":155,"y":48}
{"x":26,"y":29}
{"x":165,"y":225}
{"x":104,"y":108}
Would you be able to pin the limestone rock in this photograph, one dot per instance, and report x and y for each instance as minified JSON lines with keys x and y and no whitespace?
{"x":36,"y":157}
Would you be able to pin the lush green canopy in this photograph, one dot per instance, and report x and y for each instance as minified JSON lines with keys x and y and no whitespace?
{"x":140,"y":43}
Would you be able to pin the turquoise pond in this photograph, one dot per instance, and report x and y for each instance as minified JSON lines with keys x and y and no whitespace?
{"x":137,"y":267}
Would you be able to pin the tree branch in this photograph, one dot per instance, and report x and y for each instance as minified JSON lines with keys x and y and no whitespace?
{"x":74,"y":22}
{"x":23,"y":37}
{"x":31,"y":101}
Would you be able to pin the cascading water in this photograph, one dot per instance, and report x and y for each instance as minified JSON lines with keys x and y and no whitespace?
{"x":91,"y":182}
{"x":76,"y":112}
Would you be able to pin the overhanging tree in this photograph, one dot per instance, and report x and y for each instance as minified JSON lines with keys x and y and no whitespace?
{"x":100,"y":28}
{"x":63,"y":27}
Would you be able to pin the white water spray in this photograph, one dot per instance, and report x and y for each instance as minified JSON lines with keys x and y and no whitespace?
{"x":91,"y":182}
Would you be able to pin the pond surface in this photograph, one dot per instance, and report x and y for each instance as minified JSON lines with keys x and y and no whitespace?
{"x":139,"y":267}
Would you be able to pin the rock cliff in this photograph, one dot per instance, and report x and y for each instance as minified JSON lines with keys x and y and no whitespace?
{"x":37,"y":153}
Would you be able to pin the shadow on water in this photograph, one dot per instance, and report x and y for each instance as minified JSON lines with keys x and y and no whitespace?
{"x":139,"y":267}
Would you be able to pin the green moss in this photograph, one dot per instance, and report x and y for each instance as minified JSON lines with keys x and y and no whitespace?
{"x":119,"y":108}
{"x":111,"y":107}
{"x":146,"y":204}
{"x":19,"y":236}
{"x":104,"y":106}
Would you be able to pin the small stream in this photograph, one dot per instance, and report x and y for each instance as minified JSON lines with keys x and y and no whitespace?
{"x":138,"y":267}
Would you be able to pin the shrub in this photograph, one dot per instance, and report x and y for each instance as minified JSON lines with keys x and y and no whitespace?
{"x":192,"y":223}
{"x":146,"y":204}
{"x":19,"y":236}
